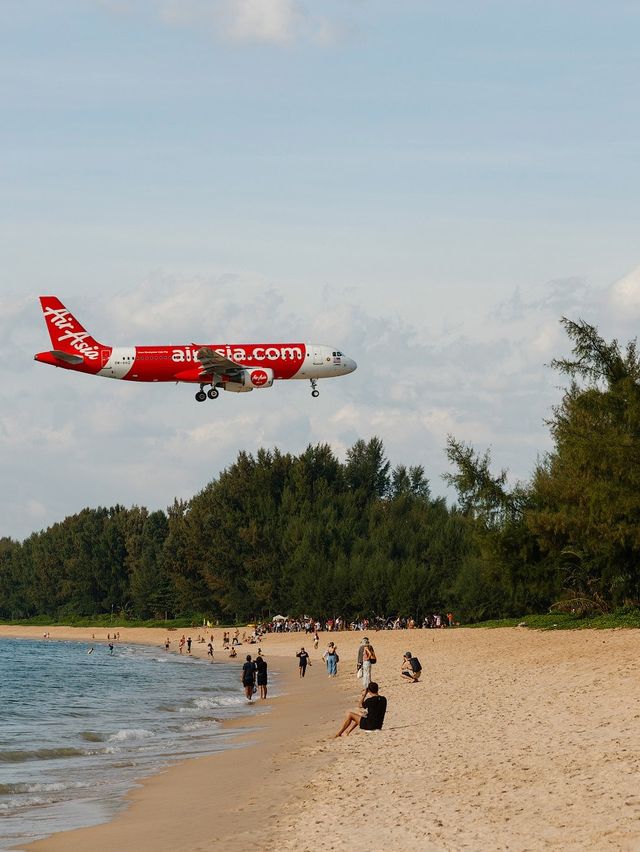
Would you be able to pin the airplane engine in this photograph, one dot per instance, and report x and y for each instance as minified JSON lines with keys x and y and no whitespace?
{"x":250,"y":378}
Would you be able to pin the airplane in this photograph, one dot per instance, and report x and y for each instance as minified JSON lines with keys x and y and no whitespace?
{"x":238,"y":368}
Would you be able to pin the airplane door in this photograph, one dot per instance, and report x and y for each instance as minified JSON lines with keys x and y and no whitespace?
{"x":104,"y":355}
{"x":317,"y":355}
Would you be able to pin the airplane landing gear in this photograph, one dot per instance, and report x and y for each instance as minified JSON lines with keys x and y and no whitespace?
{"x":315,"y":392}
{"x":201,"y":396}
{"x":213,"y":393}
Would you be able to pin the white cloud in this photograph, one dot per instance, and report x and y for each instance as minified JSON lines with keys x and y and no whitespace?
{"x":270,"y":21}
{"x":625,"y":294}
{"x":275,"y":22}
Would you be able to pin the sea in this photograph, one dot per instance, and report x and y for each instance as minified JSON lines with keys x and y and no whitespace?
{"x":77,"y":729}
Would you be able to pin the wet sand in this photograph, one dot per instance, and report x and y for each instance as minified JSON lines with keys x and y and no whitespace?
{"x":514,"y":739}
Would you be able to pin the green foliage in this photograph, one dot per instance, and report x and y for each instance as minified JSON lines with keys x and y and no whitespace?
{"x":274,"y":532}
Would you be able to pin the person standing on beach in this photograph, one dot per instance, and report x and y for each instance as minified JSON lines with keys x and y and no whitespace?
{"x":181,"y":643}
{"x":210,"y":650}
{"x":331,"y":658}
{"x":261,"y":668}
{"x":303,"y":658}
{"x":167,"y":642}
{"x":368,"y":657}
{"x":364,"y":641}
{"x":248,"y":677}
{"x":189,"y":645}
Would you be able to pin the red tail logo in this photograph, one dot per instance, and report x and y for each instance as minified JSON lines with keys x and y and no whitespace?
{"x":66,"y":333}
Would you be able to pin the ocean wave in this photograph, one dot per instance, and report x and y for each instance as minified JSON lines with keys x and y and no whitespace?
{"x":130,"y":734}
{"x":53,"y":787}
{"x":199,"y":724}
{"x":92,"y":736}
{"x":18,"y":756}
{"x":206,"y":703}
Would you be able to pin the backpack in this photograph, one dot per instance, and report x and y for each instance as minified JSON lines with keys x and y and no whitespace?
{"x":415,"y":664}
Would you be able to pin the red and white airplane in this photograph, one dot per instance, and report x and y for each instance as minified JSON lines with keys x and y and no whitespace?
{"x":238,"y":368}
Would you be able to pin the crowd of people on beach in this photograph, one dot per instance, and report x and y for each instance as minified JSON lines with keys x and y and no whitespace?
{"x":307,"y":624}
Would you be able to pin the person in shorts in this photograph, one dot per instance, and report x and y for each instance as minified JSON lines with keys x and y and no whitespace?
{"x":411,"y":668}
{"x":248,"y":677}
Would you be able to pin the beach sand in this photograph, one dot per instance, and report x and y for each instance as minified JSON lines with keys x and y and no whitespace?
{"x":514,"y":739}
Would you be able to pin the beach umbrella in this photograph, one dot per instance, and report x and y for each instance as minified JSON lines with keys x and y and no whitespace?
{"x":279,"y":618}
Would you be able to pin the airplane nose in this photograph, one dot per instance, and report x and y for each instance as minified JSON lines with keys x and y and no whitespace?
{"x":351,"y":365}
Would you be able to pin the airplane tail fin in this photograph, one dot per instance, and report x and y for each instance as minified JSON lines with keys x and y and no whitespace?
{"x":67,"y":334}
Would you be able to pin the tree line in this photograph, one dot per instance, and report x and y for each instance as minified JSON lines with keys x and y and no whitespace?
{"x":307,"y":533}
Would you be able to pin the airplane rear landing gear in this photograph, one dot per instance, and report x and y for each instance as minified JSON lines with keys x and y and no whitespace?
{"x":213,"y":393}
{"x":201,"y":396}
{"x":315,"y":392}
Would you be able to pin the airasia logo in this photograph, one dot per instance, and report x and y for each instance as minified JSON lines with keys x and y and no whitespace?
{"x":259,"y":378}
{"x":61,"y":319}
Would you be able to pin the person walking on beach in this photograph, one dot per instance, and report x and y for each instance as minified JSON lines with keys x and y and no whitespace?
{"x":261,"y":668}
{"x":369,"y":716}
{"x":316,"y":641}
{"x":167,"y":642}
{"x":189,"y":645}
{"x":181,"y":643}
{"x":304,"y":660}
{"x":248,"y":677}
{"x":210,"y":651}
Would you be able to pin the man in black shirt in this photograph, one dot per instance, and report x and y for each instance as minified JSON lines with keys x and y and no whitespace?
{"x":304,"y":660}
{"x":370,"y":714}
{"x":248,"y":677}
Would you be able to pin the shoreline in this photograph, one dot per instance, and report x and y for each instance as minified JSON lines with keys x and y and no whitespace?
{"x":201,"y":801}
{"x":513,"y":740}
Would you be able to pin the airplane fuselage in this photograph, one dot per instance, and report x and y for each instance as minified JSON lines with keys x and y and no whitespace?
{"x":232,"y":367}
{"x":181,"y":364}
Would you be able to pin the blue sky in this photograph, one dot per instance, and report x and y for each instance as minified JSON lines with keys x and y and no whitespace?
{"x":427,"y":185}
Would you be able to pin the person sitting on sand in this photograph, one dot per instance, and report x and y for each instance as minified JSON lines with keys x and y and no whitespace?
{"x":411,"y":668}
{"x":233,"y":653}
{"x":370,"y":714}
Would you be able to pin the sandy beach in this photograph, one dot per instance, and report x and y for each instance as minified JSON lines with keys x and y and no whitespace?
{"x":514,"y":739}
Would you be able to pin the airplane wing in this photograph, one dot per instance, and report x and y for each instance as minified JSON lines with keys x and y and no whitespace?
{"x":213,"y":362}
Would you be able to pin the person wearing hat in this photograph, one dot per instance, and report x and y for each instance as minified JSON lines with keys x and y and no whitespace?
{"x":411,"y":668}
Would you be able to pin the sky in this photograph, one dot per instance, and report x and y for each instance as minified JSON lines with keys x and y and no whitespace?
{"x":428,"y":186}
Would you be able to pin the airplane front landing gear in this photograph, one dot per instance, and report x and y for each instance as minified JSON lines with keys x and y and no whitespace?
{"x":201,"y":395}
{"x":315,"y":392}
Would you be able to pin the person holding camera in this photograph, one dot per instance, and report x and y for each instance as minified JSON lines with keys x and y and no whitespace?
{"x":370,"y":713}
